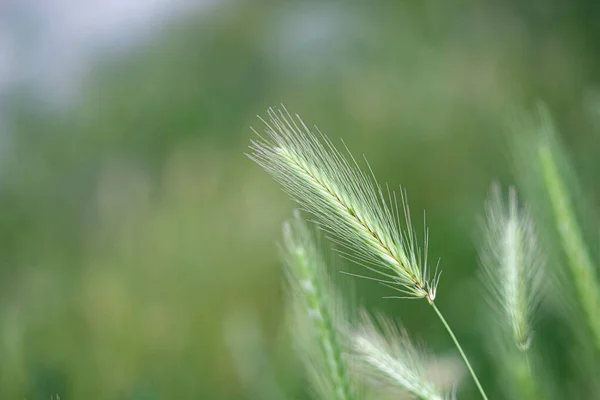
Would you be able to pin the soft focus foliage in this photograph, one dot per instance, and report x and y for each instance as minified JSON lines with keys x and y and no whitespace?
{"x":133,"y":230}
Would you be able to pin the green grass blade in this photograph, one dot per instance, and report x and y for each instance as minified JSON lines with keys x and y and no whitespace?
{"x":579,"y":261}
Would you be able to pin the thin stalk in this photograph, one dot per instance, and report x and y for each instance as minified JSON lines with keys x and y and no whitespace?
{"x":526,"y":378}
{"x":460,"y":350}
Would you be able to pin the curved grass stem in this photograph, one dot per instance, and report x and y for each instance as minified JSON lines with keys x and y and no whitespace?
{"x":460,"y":350}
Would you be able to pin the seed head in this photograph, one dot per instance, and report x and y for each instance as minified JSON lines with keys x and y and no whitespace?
{"x":347,"y":202}
{"x":512,"y":264}
{"x":318,"y":313}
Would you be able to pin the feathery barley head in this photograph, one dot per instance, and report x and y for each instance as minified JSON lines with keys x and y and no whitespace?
{"x":512,"y":263}
{"x":391,"y":359}
{"x":318,"y":313}
{"x":348,"y":203}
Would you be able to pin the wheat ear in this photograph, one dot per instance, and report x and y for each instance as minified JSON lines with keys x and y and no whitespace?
{"x":316,"y":306}
{"x":348,"y":203}
{"x":351,"y":206}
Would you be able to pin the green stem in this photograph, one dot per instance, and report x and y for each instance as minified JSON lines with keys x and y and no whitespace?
{"x":525,"y":378}
{"x":460,"y":350}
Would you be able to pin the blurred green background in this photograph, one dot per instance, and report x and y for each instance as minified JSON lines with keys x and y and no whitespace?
{"x":138,"y":254}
